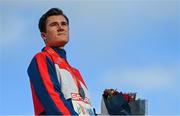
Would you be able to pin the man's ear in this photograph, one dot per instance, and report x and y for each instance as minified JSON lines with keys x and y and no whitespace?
{"x":43,"y":35}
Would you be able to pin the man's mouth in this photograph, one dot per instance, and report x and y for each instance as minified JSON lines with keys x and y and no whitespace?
{"x":61,"y":34}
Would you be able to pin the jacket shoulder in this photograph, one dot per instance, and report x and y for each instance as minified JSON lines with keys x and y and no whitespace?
{"x":38,"y":57}
{"x":41,"y":54}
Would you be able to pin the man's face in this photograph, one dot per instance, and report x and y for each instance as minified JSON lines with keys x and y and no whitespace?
{"x":57,"y":31}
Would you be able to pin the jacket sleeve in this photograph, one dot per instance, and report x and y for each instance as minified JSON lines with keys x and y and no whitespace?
{"x":47,"y":87}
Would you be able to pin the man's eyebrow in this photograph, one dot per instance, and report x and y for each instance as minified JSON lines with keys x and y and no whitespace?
{"x":64,"y":22}
{"x":52,"y":23}
{"x":57,"y":22}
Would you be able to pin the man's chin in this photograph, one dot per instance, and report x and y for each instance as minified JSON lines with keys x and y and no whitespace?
{"x":58,"y":44}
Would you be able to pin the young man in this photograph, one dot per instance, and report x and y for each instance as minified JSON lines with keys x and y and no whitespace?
{"x":57,"y":87}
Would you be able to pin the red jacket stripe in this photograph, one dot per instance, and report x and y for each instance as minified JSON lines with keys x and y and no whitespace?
{"x":41,"y":62}
{"x":37,"y":105}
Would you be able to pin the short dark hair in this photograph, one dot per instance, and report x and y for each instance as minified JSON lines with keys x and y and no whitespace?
{"x":50,"y":12}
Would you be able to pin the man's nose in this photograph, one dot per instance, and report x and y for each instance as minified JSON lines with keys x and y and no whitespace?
{"x":60,"y":27}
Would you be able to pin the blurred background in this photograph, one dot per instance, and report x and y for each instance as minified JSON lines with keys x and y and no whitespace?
{"x":128,"y":45}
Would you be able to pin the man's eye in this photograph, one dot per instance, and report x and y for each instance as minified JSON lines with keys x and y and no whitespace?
{"x":64,"y":23}
{"x":53,"y":24}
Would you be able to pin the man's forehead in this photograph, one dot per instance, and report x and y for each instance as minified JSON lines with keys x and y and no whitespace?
{"x":56,"y":18}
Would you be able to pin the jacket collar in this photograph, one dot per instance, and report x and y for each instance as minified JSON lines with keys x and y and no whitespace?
{"x":59,"y":51}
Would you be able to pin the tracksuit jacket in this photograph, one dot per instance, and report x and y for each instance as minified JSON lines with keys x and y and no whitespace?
{"x":56,"y":85}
